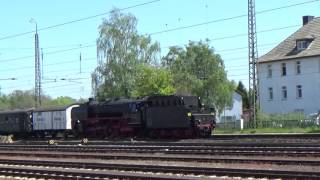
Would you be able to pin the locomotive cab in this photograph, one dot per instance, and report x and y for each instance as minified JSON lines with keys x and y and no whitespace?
{"x":202,"y":116}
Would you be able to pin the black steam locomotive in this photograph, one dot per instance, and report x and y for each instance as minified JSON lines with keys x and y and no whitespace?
{"x":153,"y":116}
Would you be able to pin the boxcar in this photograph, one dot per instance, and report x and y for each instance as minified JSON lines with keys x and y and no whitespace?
{"x":50,"y":121}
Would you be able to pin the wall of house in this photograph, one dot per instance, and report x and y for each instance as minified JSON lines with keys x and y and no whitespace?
{"x":309,"y":79}
{"x":234,"y":112}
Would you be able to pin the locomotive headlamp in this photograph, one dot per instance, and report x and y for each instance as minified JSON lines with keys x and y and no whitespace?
{"x":189,"y":114}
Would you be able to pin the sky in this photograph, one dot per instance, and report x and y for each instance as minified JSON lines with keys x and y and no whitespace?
{"x":169,"y":22}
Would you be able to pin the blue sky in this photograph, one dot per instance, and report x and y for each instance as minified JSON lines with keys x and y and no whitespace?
{"x":62,"y":45}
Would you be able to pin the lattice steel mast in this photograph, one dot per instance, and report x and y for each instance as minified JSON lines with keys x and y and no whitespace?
{"x":253,"y":56}
{"x":37,"y":70}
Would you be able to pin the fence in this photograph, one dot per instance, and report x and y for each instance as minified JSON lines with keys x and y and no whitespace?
{"x":270,"y":124}
{"x":228,"y":125}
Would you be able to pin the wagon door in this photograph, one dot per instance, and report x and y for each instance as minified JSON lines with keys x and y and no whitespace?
{"x":58,"y":120}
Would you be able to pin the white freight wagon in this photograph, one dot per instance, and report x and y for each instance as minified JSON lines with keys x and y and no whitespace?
{"x":52,"y":120}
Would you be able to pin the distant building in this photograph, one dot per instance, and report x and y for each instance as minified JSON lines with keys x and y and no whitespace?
{"x":234,"y":112}
{"x":289,"y":75}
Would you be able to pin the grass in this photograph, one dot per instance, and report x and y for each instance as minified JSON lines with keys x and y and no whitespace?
{"x":268,"y":130}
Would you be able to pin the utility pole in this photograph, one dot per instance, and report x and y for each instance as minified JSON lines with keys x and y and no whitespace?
{"x":37,"y":68}
{"x":253,"y":56}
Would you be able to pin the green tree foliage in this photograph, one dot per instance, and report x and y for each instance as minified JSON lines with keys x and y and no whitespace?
{"x":19,"y":99}
{"x":120,"y":51}
{"x":244,"y":93}
{"x":60,"y":101}
{"x":4,"y":102}
{"x":199,"y":71}
{"x":153,"y":80}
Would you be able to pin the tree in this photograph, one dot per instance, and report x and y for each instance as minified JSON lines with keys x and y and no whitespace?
{"x":63,"y":101}
{"x":19,"y":99}
{"x":4,"y":102}
{"x":199,"y":71}
{"x":153,"y":80}
{"x":120,"y":51}
{"x":244,"y":93}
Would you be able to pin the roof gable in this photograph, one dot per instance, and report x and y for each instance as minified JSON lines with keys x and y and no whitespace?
{"x":287,"y":49}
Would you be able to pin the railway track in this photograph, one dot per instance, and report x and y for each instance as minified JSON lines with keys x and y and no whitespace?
{"x":159,"y":157}
{"x":192,"y":150}
{"x":175,"y":160}
{"x":75,"y":170}
{"x":62,"y":173}
{"x":214,"y":141}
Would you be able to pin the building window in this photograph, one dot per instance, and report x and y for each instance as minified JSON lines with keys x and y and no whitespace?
{"x":269,"y":71}
{"x":284,"y":69}
{"x":302,"y":44}
{"x":298,"y":67}
{"x":284,"y":92}
{"x":270,"y":91}
{"x":299,"y":91}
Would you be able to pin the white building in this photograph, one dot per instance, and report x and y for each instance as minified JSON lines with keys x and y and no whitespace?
{"x":234,"y":112}
{"x":289,"y":75}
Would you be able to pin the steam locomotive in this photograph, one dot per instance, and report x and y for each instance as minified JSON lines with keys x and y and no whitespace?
{"x":153,"y":116}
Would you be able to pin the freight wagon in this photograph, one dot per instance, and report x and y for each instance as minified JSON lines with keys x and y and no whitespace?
{"x":51,"y":121}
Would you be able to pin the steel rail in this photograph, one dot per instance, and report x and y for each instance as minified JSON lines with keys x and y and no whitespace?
{"x":100,"y":171}
{"x":181,"y":158}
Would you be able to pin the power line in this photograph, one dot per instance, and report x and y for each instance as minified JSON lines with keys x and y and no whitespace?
{"x":287,"y":6}
{"x":229,"y":18}
{"x":60,"y":51}
{"x":48,"y":53}
{"x":49,"y":47}
{"x":91,"y":45}
{"x":240,"y":48}
{"x":258,"y":12}
{"x":242,"y":34}
{"x":159,"y":32}
{"x":77,"y":20}
{"x":52,"y":64}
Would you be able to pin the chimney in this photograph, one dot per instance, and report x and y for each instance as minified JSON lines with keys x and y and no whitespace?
{"x":307,"y":19}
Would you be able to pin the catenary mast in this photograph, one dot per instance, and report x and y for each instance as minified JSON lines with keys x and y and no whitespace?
{"x":37,"y":70}
{"x":253,"y":56}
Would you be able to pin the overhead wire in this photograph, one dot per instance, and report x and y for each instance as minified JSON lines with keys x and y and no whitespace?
{"x":48,"y":53}
{"x":230,"y":18}
{"x":190,"y":26}
{"x":194,"y":25}
{"x":76,"y":20}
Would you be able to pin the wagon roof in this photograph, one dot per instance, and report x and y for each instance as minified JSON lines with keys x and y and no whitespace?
{"x":16,"y":111}
{"x":60,"y":108}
